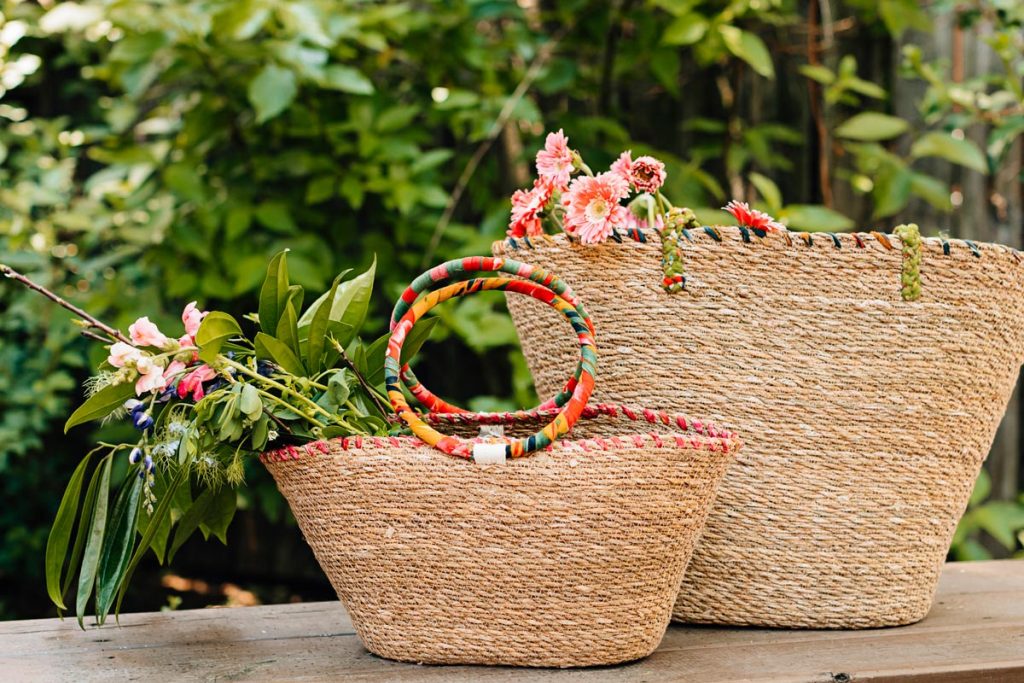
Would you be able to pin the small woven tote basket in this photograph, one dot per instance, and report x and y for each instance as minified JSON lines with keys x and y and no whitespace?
{"x":572,"y":556}
{"x":866,"y":372}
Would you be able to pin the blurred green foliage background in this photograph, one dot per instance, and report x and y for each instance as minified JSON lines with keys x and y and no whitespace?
{"x":155,"y":152}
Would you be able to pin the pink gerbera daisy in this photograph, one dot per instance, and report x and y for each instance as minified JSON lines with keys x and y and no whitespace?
{"x":623,"y":167}
{"x":592,"y":208}
{"x":752,"y":218}
{"x":526,"y":207}
{"x":554,"y":162}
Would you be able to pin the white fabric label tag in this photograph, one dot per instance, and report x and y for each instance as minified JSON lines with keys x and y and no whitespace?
{"x":489,"y":453}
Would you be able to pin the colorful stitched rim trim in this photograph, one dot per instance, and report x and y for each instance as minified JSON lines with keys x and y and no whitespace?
{"x":838,"y":240}
{"x":695,"y":434}
{"x":445,"y":272}
{"x":514,"y":448}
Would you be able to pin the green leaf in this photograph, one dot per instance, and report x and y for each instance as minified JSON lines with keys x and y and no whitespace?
{"x":117,"y":544}
{"x":347,"y":79}
{"x":81,"y":531}
{"x":769,"y":192}
{"x":191,"y":520}
{"x":102,"y":403}
{"x":272,"y":91}
{"x":214,"y":331}
{"x":818,"y":73}
{"x":899,"y":15}
{"x":241,"y":20}
{"x":219,"y":514}
{"x":288,"y":329}
{"x":274,"y":349}
{"x":317,"y":340}
{"x":338,"y":390}
{"x":97,"y":528}
{"x":892,"y":190}
{"x":60,"y":534}
{"x":872,"y":126}
{"x":932,"y":190}
{"x":249,"y":402}
{"x":748,"y":47}
{"x":162,"y":510}
{"x":274,"y":293}
{"x":351,"y":301}
{"x":982,"y":487}
{"x":276,"y":216}
{"x":1001,"y":519}
{"x":943,"y":145}
{"x":685,"y":30}
{"x":814,"y":217}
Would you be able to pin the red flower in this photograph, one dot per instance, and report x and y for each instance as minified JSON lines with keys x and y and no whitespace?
{"x":752,"y":218}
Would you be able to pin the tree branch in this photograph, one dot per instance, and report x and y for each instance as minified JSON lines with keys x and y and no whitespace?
{"x":114,"y":334}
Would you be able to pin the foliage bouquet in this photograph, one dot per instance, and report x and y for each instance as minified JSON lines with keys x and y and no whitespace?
{"x":203,"y":403}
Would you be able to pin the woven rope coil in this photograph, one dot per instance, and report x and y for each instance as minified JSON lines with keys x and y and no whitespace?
{"x":865,"y":416}
{"x":571,"y":557}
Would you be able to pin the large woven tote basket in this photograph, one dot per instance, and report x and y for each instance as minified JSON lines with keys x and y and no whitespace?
{"x":570,"y":557}
{"x":866,"y":412}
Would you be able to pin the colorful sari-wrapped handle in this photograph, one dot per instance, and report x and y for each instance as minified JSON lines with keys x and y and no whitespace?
{"x":506,"y":448}
{"x":450,"y":270}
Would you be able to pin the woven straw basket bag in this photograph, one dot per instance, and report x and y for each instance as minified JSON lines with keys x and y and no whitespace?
{"x":570,"y":557}
{"x":866,"y":372}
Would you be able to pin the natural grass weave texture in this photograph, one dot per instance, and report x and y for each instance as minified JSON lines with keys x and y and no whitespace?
{"x":569,"y":557}
{"x":865,"y":418}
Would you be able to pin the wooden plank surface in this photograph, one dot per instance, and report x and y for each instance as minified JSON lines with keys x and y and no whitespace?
{"x":975,"y":632}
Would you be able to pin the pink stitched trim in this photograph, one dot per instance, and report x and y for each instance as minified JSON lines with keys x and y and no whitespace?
{"x":655,"y":440}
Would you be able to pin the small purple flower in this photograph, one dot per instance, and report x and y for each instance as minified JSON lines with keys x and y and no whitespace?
{"x":135,"y":455}
{"x":142,"y":420}
{"x":147,"y":463}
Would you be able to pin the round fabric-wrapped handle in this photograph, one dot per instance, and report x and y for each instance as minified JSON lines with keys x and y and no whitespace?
{"x":449,"y":270}
{"x":513,"y":448}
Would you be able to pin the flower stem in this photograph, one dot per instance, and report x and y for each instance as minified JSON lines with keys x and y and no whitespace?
{"x":282,"y":388}
{"x":362,"y":380}
{"x":114,"y":334}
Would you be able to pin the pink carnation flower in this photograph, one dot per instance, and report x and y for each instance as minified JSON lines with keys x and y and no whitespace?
{"x":145,"y":333}
{"x":554,"y":162}
{"x":526,"y":207}
{"x":648,"y":174}
{"x":752,"y":218}
{"x":592,"y":208}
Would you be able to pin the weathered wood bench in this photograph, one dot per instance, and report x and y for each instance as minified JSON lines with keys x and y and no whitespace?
{"x":975,"y":632}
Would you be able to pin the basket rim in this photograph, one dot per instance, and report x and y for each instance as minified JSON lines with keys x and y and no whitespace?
{"x":869,"y":241}
{"x":685,"y":433}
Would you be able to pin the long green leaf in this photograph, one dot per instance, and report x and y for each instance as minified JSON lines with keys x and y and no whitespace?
{"x":81,"y":532}
{"x":91,"y":559}
{"x":101,"y":404}
{"x":162,"y":509}
{"x":220,"y":513}
{"x":350,"y":302}
{"x":60,"y":534}
{"x":274,"y":349}
{"x":190,"y":521}
{"x":318,"y":332}
{"x":117,"y":544}
{"x":288,"y":329}
{"x":274,"y":293}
